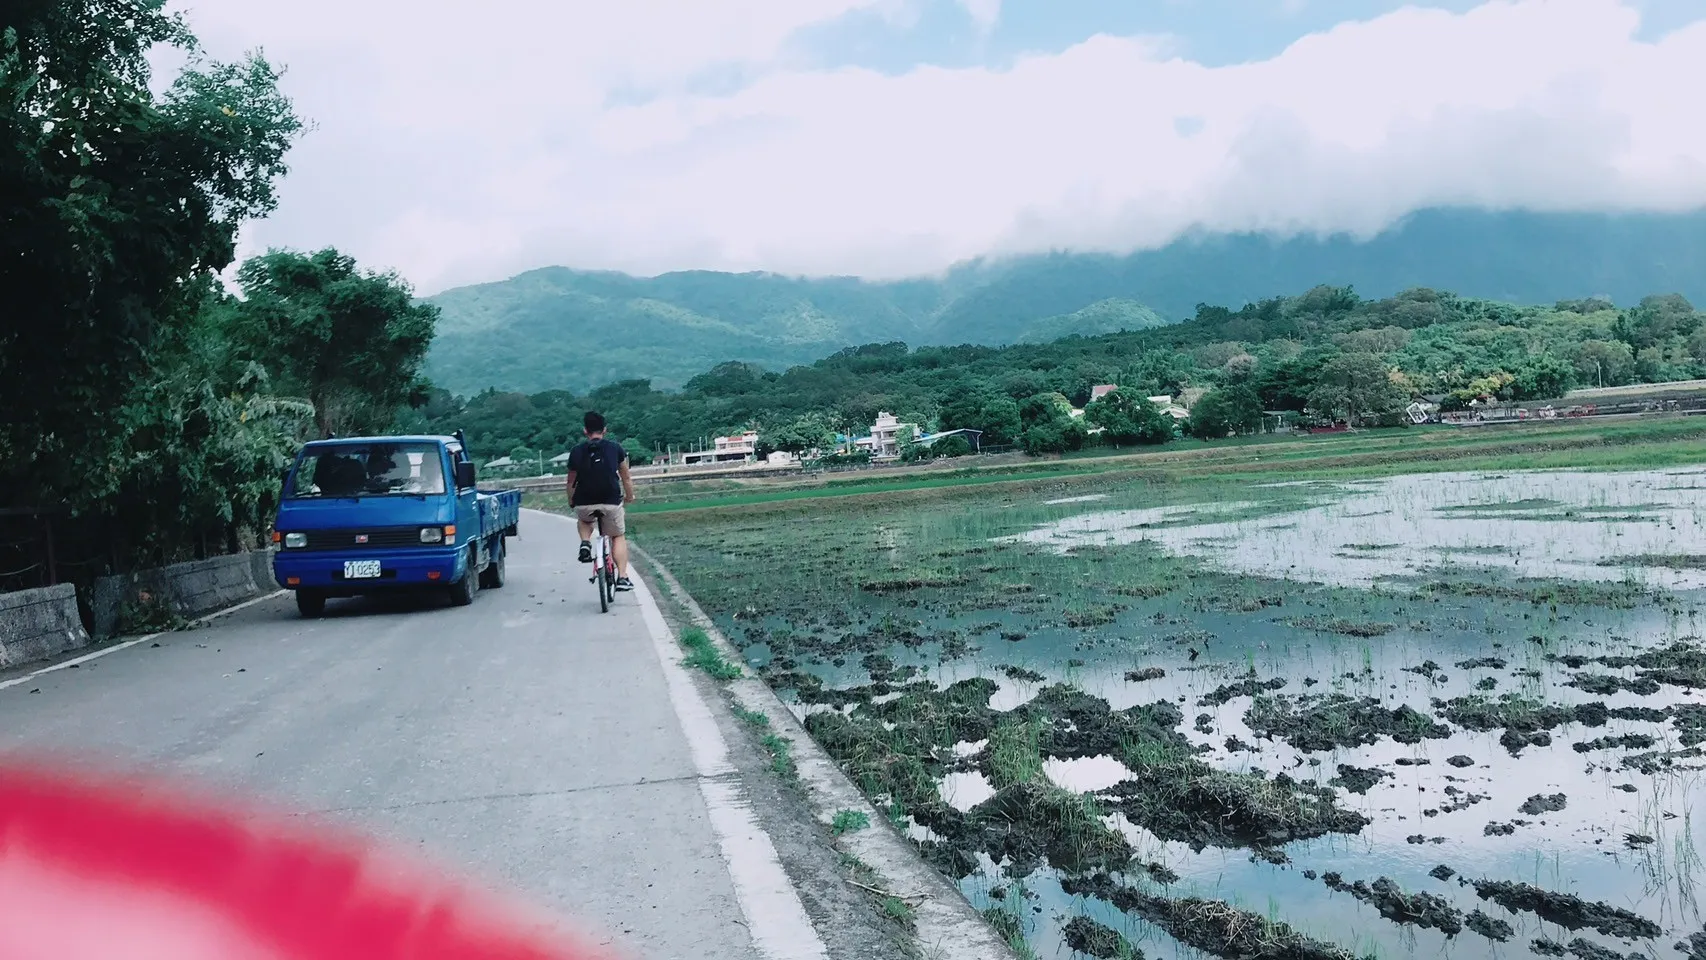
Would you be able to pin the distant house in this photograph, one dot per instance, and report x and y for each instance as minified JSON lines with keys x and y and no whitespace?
{"x":740,"y":448}
{"x":1101,"y":390}
{"x":502,"y":464}
{"x":561,"y":460}
{"x":886,"y":437}
{"x":1166,"y":404}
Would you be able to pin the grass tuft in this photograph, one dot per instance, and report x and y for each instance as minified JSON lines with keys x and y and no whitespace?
{"x":849,"y":821}
{"x":781,"y":757}
{"x":751,"y":717}
{"x":703,"y":654}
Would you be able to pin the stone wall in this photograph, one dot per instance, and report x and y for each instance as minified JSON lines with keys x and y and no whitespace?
{"x":189,"y":590}
{"x":38,"y":624}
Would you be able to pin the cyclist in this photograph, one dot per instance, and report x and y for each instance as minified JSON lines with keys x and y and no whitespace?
{"x":599,"y":483}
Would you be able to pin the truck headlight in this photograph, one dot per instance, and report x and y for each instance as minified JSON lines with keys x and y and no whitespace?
{"x":295,"y":541}
{"x":432,"y":535}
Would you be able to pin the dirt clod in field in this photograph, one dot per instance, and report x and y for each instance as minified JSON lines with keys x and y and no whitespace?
{"x":1349,"y":628}
{"x":1087,"y":936}
{"x":1147,"y":673}
{"x":1490,"y":927}
{"x":1586,"y":950}
{"x":1568,"y":911}
{"x":1419,"y":909}
{"x":1660,"y":760}
{"x":1460,"y":761}
{"x":1442,"y":872}
{"x":1630,"y":741}
{"x":1498,"y":830}
{"x":1358,"y":780}
{"x":1605,"y":685}
{"x":1211,"y":926}
{"x":1682,"y":664}
{"x":1188,"y":800}
{"x":1247,"y":687}
{"x":1543,"y":803}
{"x":1315,"y":723}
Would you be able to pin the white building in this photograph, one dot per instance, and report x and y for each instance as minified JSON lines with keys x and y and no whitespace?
{"x":886,"y":436}
{"x":742,"y":447}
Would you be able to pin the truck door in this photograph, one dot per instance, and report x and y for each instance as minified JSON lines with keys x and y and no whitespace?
{"x":467,"y":500}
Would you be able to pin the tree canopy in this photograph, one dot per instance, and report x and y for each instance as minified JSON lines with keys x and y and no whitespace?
{"x":142,"y":402}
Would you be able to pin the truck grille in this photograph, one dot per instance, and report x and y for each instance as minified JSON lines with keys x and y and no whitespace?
{"x":347,"y":539}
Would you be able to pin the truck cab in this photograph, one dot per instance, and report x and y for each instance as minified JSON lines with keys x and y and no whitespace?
{"x":367,"y":515}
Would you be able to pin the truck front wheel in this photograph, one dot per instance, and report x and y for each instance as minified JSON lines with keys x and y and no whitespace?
{"x":462,"y":591}
{"x":310,"y":603}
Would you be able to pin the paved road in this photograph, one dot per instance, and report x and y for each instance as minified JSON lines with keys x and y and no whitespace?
{"x":527,"y":740}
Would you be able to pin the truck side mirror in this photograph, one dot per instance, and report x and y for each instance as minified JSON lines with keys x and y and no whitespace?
{"x":464,"y":474}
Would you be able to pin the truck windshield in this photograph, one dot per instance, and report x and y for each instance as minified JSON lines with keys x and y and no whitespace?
{"x":368,"y":470}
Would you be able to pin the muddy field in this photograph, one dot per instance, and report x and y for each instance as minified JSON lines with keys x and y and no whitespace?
{"x":1451,"y":714}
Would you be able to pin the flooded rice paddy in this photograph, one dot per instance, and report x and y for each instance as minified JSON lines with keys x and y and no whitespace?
{"x":1455,"y":715}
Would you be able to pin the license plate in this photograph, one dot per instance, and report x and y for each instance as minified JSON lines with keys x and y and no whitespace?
{"x":361,"y":569}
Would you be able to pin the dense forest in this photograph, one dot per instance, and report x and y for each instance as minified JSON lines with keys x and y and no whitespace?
{"x":1326,"y":352}
{"x":557,"y":328}
{"x":145,"y":408}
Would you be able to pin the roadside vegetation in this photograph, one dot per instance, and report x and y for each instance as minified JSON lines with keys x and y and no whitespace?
{"x":147,"y":409}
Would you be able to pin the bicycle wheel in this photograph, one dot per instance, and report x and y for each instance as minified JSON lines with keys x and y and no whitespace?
{"x":609,"y":573}
{"x":603,"y":599}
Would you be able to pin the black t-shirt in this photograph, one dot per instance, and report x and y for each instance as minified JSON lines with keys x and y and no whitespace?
{"x":595,"y":463}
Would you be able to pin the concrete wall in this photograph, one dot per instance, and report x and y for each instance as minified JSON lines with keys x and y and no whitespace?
{"x":190,"y":590}
{"x":38,"y":624}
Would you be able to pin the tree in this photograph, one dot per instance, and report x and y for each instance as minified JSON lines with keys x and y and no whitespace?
{"x":1604,"y":363}
{"x":1542,"y":377}
{"x":204,"y":440}
{"x":1226,"y":410}
{"x":352,"y":342}
{"x":996,"y":414}
{"x":116,"y":200}
{"x":1357,"y":387}
{"x":1656,"y":320}
{"x":1287,"y":385}
{"x":1127,"y":418}
{"x":638,"y":453}
{"x":954,"y":446}
{"x":1239,"y":368}
{"x":800,"y":435}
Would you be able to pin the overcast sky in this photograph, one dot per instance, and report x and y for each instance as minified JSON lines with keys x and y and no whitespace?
{"x":461,"y":142}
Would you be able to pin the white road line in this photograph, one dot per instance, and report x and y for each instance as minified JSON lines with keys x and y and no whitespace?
{"x":126,"y":645}
{"x":774,"y":915}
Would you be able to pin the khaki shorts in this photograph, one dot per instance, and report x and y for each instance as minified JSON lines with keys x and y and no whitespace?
{"x":614,"y":523}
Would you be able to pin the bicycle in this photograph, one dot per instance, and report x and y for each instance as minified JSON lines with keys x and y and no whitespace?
{"x":603,"y":566}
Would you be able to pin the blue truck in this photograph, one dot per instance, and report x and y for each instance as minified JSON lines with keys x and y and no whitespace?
{"x":369,"y":515}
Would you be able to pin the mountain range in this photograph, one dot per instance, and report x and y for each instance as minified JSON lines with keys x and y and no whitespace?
{"x":559,"y":328}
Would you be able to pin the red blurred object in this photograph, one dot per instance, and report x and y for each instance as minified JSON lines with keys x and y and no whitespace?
{"x":96,"y":868}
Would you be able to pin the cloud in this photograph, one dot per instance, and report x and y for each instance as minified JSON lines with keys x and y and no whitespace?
{"x":983,"y":13}
{"x":459,"y":149}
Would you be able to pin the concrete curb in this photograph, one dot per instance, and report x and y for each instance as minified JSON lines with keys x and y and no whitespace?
{"x":39,"y":624}
{"x":948,"y":928}
{"x":192,"y":589}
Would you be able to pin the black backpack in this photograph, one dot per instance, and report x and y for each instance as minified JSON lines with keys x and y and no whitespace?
{"x":602,"y":469}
